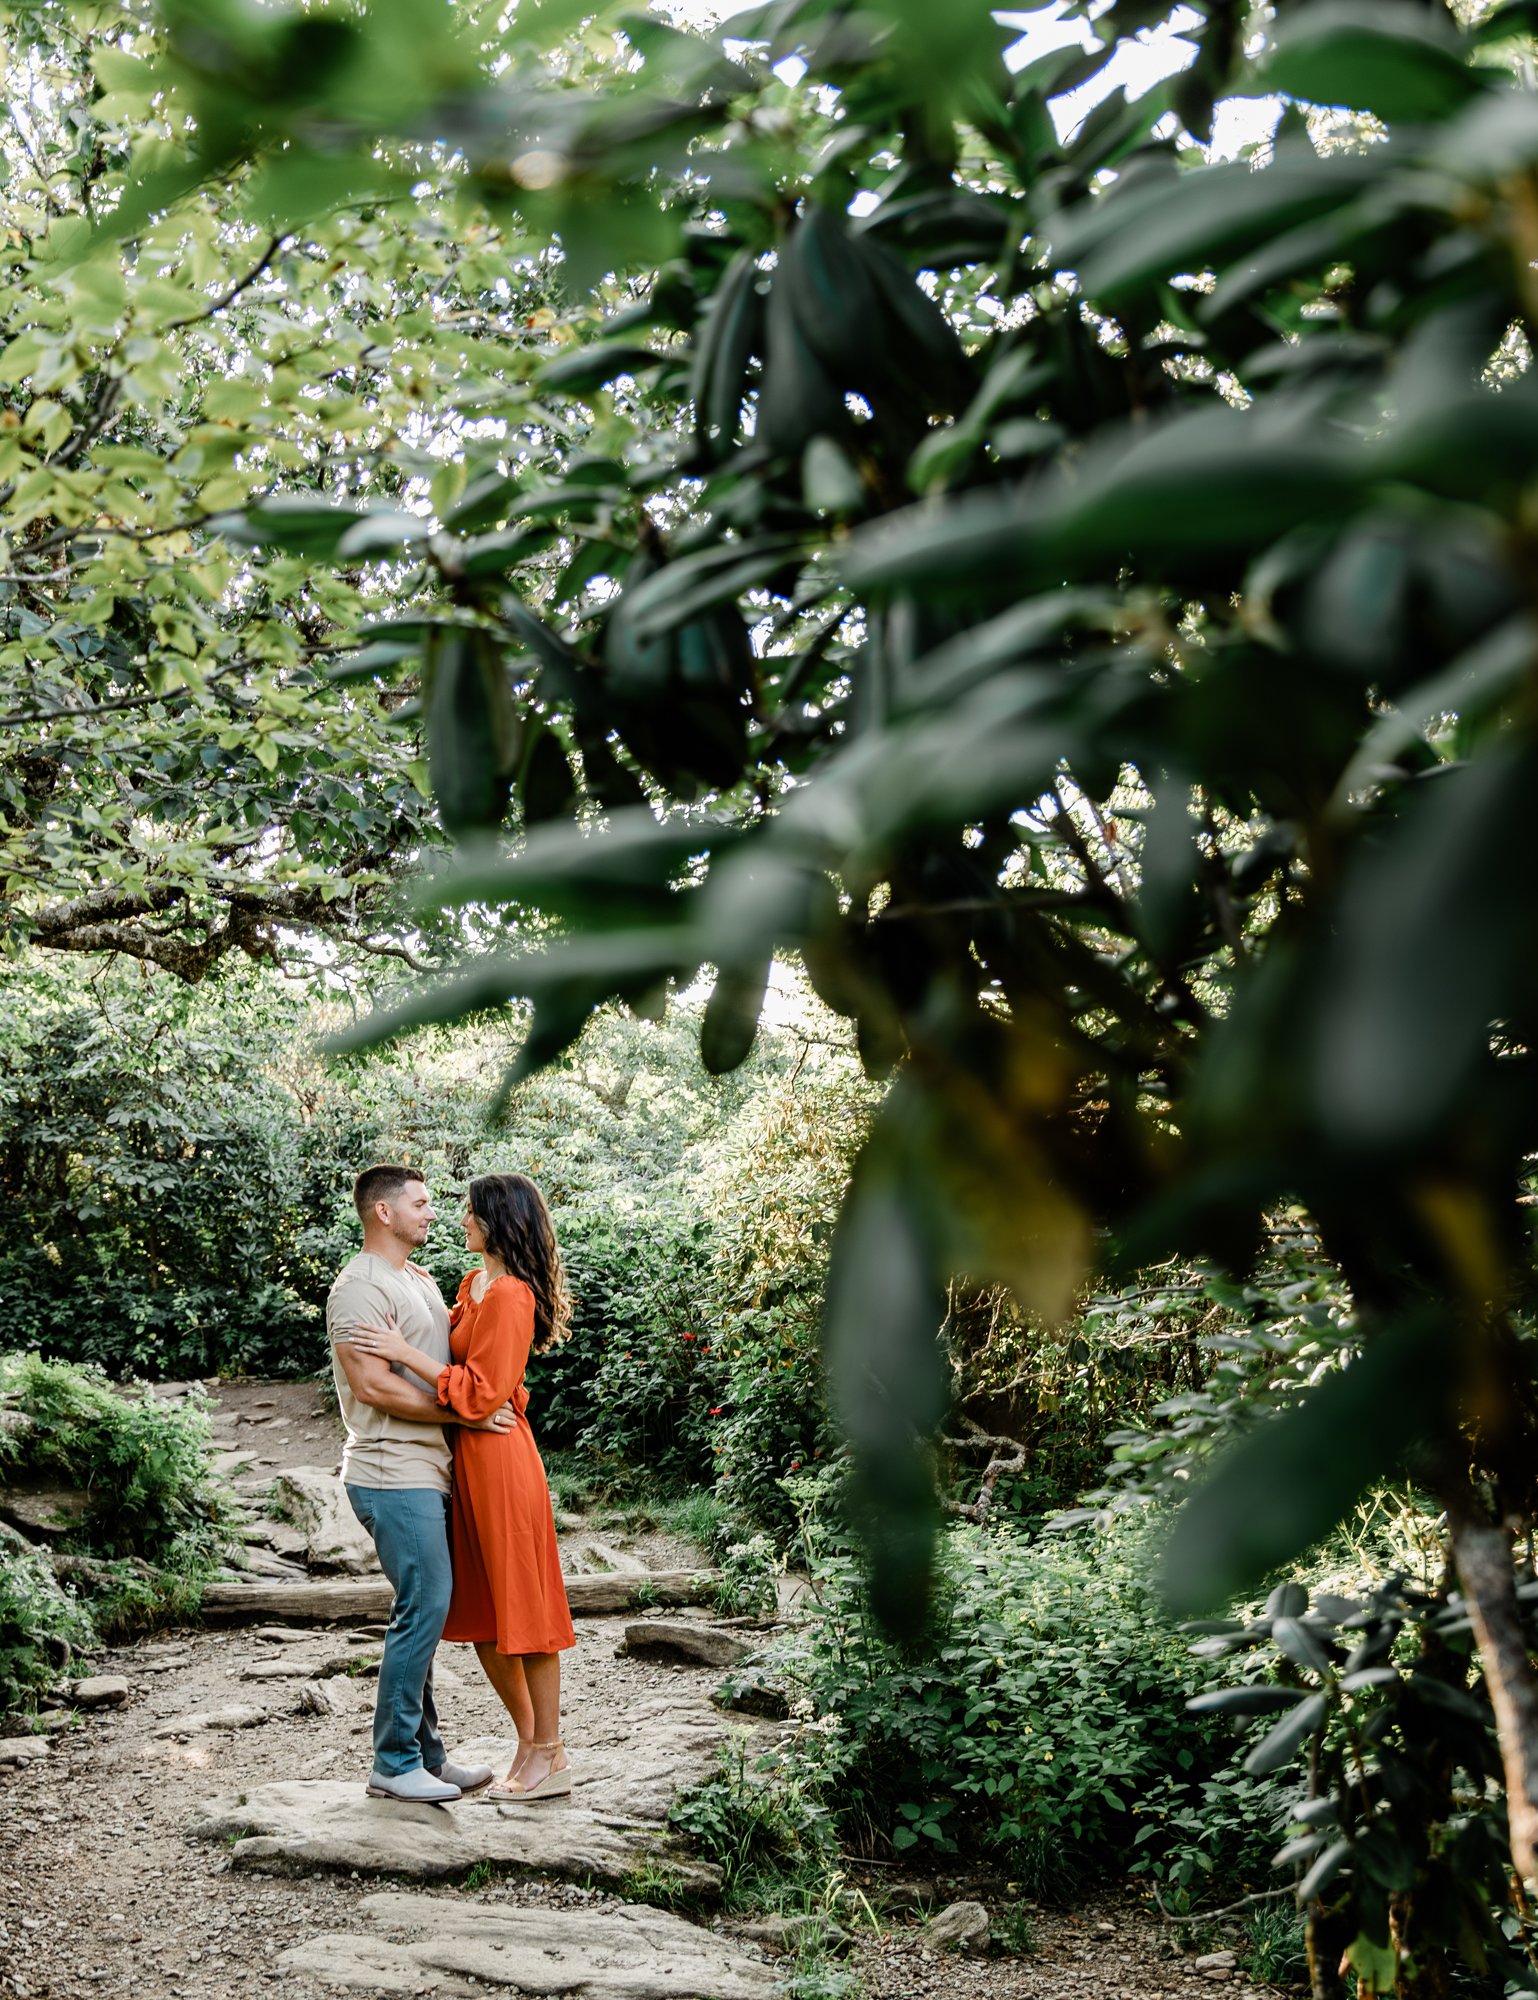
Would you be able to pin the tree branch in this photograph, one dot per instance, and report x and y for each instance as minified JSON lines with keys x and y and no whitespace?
{"x":228,"y":298}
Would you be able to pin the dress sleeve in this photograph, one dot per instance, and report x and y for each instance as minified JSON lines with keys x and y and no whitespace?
{"x":491,"y":1373}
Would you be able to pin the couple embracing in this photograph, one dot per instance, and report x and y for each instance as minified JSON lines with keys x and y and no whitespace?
{"x":464,"y":1529}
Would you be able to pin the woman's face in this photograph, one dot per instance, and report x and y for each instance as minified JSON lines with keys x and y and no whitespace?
{"x":475,"y":1236}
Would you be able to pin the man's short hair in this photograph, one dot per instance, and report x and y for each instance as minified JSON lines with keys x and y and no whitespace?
{"x":381,"y":1184}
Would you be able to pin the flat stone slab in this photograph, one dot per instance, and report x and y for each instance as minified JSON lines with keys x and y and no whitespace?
{"x":238,"y":1715}
{"x":300,"y":1825}
{"x":437,"y":1946}
{"x":615,"y":1776}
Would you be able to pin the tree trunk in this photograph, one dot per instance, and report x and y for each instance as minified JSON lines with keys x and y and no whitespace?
{"x":1482,"y":1553}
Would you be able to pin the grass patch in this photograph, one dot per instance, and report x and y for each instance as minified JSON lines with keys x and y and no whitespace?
{"x":770,"y":1838}
{"x":664,"y":1888}
{"x":1012,"y":1932}
{"x":1274,"y":1948}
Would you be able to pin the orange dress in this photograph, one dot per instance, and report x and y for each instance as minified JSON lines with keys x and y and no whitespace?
{"x":507,"y":1570}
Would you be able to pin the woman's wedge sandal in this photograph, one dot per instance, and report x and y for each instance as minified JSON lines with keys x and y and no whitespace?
{"x":505,"y":1788}
{"x":553,"y":1785}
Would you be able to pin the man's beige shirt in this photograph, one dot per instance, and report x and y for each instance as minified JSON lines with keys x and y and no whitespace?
{"x":381,"y":1449}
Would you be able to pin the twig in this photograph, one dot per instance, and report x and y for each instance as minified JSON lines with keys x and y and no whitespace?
{"x":240,"y":285}
{"x":1228,"y":1910}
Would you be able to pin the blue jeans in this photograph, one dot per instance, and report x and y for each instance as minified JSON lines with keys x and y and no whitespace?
{"x":410,"y":1527}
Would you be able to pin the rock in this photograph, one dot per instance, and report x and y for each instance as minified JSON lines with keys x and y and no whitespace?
{"x":52,"y":1720}
{"x":754,"y":1693}
{"x":318,"y":1698}
{"x":958,"y":1927}
{"x":682,"y":1734}
{"x":24,"y":1749}
{"x":262,"y":1562}
{"x":281,"y":1635}
{"x":569,"y":1524}
{"x":44,"y":1513}
{"x":629,"y":1953}
{"x":100,"y":1691}
{"x":680,"y":1638}
{"x":280,"y":1538}
{"x":306,"y":1825}
{"x":787,"y":1933}
{"x":590,"y":1557}
{"x":316,"y":1502}
{"x":1215,"y":1961}
{"x":238,"y":1715}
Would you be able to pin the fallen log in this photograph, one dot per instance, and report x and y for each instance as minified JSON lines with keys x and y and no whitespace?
{"x":350,"y":1600}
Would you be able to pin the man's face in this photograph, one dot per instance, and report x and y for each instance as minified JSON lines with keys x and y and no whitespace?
{"x":409,"y":1215}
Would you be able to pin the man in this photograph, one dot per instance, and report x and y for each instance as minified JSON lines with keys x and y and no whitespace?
{"x":395,"y":1466}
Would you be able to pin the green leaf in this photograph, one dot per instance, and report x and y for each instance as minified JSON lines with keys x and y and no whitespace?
{"x":1282,"y":1488}
{"x":1512,"y":19}
{"x":1301,"y":1645}
{"x":887,"y":1376}
{"x":495,"y":555}
{"x":730,"y":332}
{"x":546,"y":786}
{"x":1183,"y":492}
{"x":1400,"y":63}
{"x":1323,"y":1872}
{"x":1280,"y":1745}
{"x":589,"y":876}
{"x":596,"y":364}
{"x":731,"y":1016}
{"x":295,"y":524}
{"x":380,"y":533}
{"x":374,"y":661}
{"x":678,"y":592}
{"x":1426,"y":956}
{"x":615,"y":964}
{"x":1171,"y":225}
{"x":472,"y":730}
{"x":1244,"y":1701}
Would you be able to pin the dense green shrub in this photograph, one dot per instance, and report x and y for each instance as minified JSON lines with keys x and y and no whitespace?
{"x":142,"y":1464}
{"x":155,"y":1523}
{"x":178,"y":1166}
{"x":173,"y":1203}
{"x":1044,"y":1724}
{"x":41,"y":1622}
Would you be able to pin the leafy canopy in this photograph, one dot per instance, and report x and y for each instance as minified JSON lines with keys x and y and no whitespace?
{"x":1072,"y":593}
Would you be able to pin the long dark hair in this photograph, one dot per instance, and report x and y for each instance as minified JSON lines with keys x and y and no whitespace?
{"x":518,"y":1230}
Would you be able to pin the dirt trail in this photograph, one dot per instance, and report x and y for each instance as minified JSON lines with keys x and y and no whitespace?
{"x":106,"y":1890}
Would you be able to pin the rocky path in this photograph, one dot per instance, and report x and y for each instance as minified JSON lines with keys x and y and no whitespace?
{"x":203,"y":1832}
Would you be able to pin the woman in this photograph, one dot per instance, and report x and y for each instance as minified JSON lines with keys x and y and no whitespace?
{"x":509,"y":1601}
